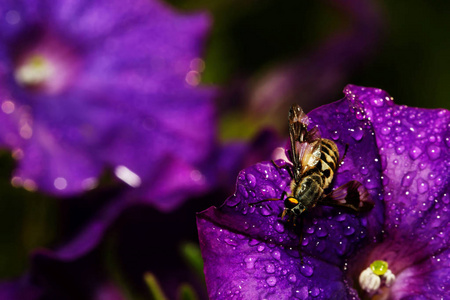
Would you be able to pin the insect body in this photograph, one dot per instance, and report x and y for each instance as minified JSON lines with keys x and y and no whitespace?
{"x":314,"y":162}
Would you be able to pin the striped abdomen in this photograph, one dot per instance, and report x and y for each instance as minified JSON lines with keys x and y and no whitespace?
{"x":314,"y":181}
{"x":329,"y":157}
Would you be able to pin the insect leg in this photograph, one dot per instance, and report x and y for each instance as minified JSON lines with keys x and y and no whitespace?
{"x":283,"y":195}
{"x":286,"y":167}
{"x":343,"y":156}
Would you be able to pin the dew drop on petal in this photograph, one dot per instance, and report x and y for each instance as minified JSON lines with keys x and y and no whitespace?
{"x":321,"y":232}
{"x":251,"y":179}
{"x":408,"y":178}
{"x":415,"y":152}
{"x":433,"y":152}
{"x":276,"y":254}
{"x":364,"y":170}
{"x":292,"y":278}
{"x":231,"y":242}
{"x":357,"y":134}
{"x":348,"y":230}
{"x":250,"y":262}
{"x":279,"y":227}
{"x":271,"y":281}
{"x":315,"y":292}
{"x":270,"y":268}
{"x":310,"y":229}
{"x":385,"y":130}
{"x":400,"y":149}
{"x":306,"y":270}
{"x":302,"y":293}
{"x":422,"y":186}
{"x":335,"y":135}
{"x":378,"y":102}
{"x":264,"y":211}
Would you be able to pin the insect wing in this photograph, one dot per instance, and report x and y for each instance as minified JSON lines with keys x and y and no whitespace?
{"x":310,"y":155}
{"x":352,"y":195}
{"x":297,"y":115}
{"x":313,"y":135}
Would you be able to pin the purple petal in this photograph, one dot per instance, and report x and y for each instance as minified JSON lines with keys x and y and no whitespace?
{"x":413,"y":145}
{"x":428,"y":280}
{"x":124,"y":97}
{"x":238,"y":266}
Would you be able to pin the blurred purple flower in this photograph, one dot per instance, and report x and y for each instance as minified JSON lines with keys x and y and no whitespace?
{"x":100,"y":84}
{"x":401,"y":156}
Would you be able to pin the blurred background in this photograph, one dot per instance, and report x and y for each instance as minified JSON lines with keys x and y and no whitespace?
{"x":262,"y":55}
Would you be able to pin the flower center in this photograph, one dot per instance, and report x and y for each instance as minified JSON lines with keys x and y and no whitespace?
{"x":373,"y":277}
{"x":46,"y":63}
{"x":35,"y":71}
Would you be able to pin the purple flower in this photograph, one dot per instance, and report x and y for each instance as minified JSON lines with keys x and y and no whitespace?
{"x":91,"y":85}
{"x":400,"y":154}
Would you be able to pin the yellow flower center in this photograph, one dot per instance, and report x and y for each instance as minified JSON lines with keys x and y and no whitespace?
{"x":379,"y":267}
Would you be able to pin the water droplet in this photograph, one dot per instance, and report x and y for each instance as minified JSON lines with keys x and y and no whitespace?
{"x":364,"y":170}
{"x":335,"y":135}
{"x":310,"y":229}
{"x":292,"y":278}
{"x":341,"y":217}
{"x":264,"y":211}
{"x":357,"y":134}
{"x":400,"y":149}
{"x":378,"y":102}
{"x":250,"y":261}
{"x":231,"y":242}
{"x":422,"y":186}
{"x":261,"y":248}
{"x":279,"y":227}
{"x":371,"y":183}
{"x":253,"y":242}
{"x":385,"y":130}
{"x":251,"y":179}
{"x":321,"y":232}
{"x":408,"y":178}
{"x":276,"y":254}
{"x":348,"y":230}
{"x":446,"y":198}
{"x":271,"y":281}
{"x":434,"y":152}
{"x":243,"y":191}
{"x":315,"y":291}
{"x":415,"y":152}
{"x":270,"y":268}
{"x":306,"y":270}
{"x":302,"y":293}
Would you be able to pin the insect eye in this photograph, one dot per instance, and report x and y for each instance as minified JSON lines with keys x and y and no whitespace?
{"x":290,"y":202}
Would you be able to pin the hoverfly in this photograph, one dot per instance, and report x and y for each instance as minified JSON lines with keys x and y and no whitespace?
{"x":314,"y":163}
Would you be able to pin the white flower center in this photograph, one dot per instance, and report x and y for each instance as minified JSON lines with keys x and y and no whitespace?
{"x":35,"y":71}
{"x":372,"y":278}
